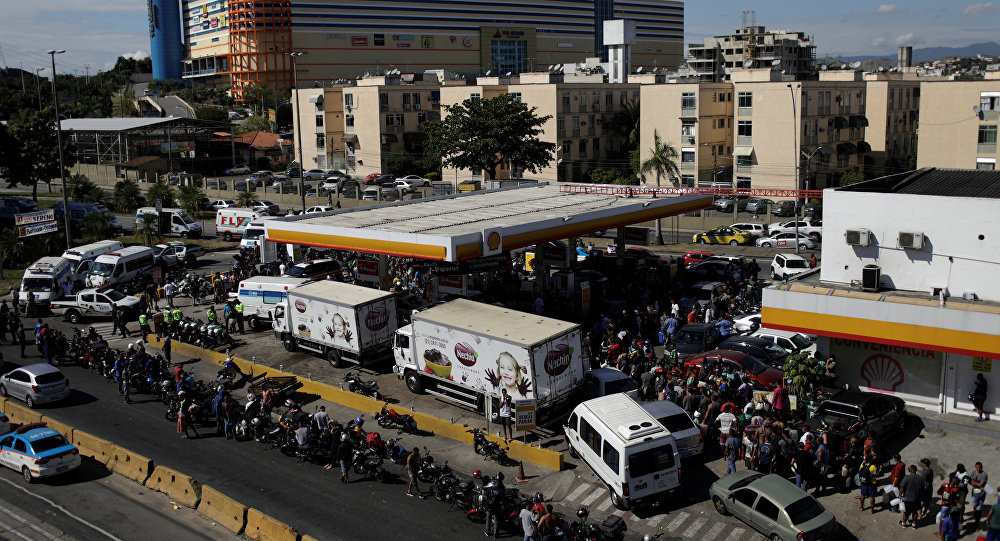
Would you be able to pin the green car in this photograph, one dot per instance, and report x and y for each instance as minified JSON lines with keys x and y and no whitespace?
{"x":773,"y":506}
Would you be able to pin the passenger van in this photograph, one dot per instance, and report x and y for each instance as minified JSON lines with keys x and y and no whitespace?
{"x":628,"y":449}
{"x":254,"y":232}
{"x":231,"y":223}
{"x":44,"y":280}
{"x":606,"y":380}
{"x":687,"y":433}
{"x":260,"y":294}
{"x":120,"y":266}
{"x":174,"y":222}
{"x":82,"y":257}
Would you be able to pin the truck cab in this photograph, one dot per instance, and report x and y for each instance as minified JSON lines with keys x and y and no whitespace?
{"x":404,"y":354}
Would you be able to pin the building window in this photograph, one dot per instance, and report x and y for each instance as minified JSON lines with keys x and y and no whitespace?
{"x":687,"y":100}
{"x":986,"y":165}
{"x":475,"y":96}
{"x":565,"y":102}
{"x":394,"y":120}
{"x":746,"y":100}
{"x":560,"y":126}
{"x":623,"y":98}
{"x":406,"y":101}
{"x":383,"y":101}
{"x":744,"y":128}
{"x":892,"y":96}
{"x":509,"y":57}
{"x":583,"y":146}
{"x":567,"y":148}
{"x":687,"y":128}
{"x":596,"y":145}
{"x":349,"y":100}
{"x":517,"y":96}
{"x":421,"y":118}
{"x":687,"y":156}
{"x":349,"y":122}
{"x":416,"y":100}
{"x":743,"y":183}
{"x":320,"y":140}
{"x":687,"y":181}
{"x":989,"y":103}
{"x":988,"y":134}
{"x":744,"y":161}
{"x":319,"y":121}
{"x":609,"y":99}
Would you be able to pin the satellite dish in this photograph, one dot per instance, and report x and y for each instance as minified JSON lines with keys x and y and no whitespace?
{"x":856,"y":65}
{"x":843,"y":66}
{"x":975,"y":109}
{"x":881,"y":69}
{"x":823,"y":67}
{"x":368,"y":74}
{"x":489,"y":72}
{"x":776,"y":62}
{"x":639,"y":69}
{"x":552,"y":67}
{"x":748,"y":63}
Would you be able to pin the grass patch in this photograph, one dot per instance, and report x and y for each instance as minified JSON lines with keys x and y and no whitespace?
{"x":11,"y":278}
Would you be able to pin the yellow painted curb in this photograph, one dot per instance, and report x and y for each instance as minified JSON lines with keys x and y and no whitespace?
{"x":222,"y":509}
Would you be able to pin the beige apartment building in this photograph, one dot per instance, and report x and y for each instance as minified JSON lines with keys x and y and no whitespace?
{"x":958,"y":124}
{"x":893,"y":111}
{"x":697,"y":120}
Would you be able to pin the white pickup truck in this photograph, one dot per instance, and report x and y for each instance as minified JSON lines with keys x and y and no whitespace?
{"x":92,"y":303}
{"x":809,"y":226}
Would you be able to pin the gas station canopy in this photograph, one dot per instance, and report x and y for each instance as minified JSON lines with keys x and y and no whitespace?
{"x":474,"y":224}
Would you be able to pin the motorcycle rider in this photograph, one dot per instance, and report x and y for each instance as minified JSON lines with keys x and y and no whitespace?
{"x":345,"y":451}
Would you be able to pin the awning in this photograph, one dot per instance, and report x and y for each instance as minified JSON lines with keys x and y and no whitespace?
{"x":316,"y":98}
{"x":742,"y":151}
{"x":349,"y":138}
{"x":840,"y":122}
{"x":847,"y":148}
{"x":389,"y":138}
{"x":864,"y":147}
{"x":858,"y":121}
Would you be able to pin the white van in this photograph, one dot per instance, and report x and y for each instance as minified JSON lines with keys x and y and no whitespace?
{"x":82,"y":257}
{"x":44,"y":280}
{"x":175,"y":222}
{"x":120,"y":266}
{"x":687,"y":433}
{"x":260,"y":294}
{"x":231,"y":223}
{"x":254,"y":232}
{"x":606,"y":380}
{"x":628,"y":449}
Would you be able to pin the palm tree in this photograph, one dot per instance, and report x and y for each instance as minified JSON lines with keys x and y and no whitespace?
{"x":247,"y":197}
{"x":190,"y":198}
{"x":663,"y":162}
{"x":148,"y":230}
{"x":126,"y":198}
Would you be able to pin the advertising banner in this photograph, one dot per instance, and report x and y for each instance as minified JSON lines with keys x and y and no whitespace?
{"x":452,"y":284}
{"x":37,"y":229}
{"x":559,"y":366}
{"x":368,"y":270}
{"x":35,"y":217}
{"x":890,"y":369}
{"x":359,"y":41}
{"x":339,"y":325}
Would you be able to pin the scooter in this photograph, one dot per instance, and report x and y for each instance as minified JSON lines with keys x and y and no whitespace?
{"x":388,"y":418}
{"x":489,"y":449}
{"x":367,"y":388}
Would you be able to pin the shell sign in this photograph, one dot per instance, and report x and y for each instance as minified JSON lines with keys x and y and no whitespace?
{"x":888,"y":368}
{"x":492,"y":241}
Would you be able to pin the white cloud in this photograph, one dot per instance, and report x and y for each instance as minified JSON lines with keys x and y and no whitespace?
{"x":887,"y":8}
{"x":139,"y":54}
{"x":878,"y":42}
{"x":903,"y":39}
{"x":979,"y":9}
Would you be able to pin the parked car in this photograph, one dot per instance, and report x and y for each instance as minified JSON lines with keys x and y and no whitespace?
{"x":243,"y":169}
{"x":814,"y":209}
{"x":756,"y":205}
{"x":790,"y":341}
{"x":315,"y":268}
{"x":372,"y":177}
{"x":696,"y":337}
{"x":39,"y":383}
{"x":787,"y":240}
{"x":11,"y":206}
{"x":748,"y":323}
{"x":696,"y":256}
{"x":760,"y":373}
{"x":336,"y":174}
{"x":314,"y":174}
{"x":37,"y":451}
{"x":762,"y":350}
{"x":219,"y":204}
{"x":755,"y":230}
{"x":266,"y":206}
{"x":785,"y":265}
{"x":773,"y":506}
{"x":784,"y":208}
{"x":370,"y":194}
{"x":281,"y":181}
{"x":416,"y":180}
{"x":708,"y":270}
{"x":858,"y":413}
{"x":722,"y":235}
{"x":320,"y":208}
{"x":725,"y":204}
{"x":216,"y":184}
{"x":403,"y":186}
{"x":293,"y":172}
{"x":699,"y":295}
{"x":810,"y":226}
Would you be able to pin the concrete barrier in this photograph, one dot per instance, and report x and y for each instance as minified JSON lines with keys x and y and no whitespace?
{"x":181,"y":488}
{"x":128,"y":464}
{"x":20,"y":414}
{"x":59,"y":427}
{"x":222,"y":509}
{"x":264,"y":528}
{"x":89,"y":445}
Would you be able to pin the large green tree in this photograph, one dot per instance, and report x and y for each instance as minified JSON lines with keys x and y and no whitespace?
{"x":216,"y":114}
{"x":35,"y":154}
{"x":254,"y":123}
{"x":162,"y":191}
{"x":488,"y":133}
{"x":662,"y":162}
{"x":126,"y":197}
{"x":190,"y":198}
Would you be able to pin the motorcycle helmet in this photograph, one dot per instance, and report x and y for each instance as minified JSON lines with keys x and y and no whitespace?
{"x":131,"y":347}
{"x":582,"y":512}
{"x":360,"y":422}
{"x":139,"y":342}
{"x":648,"y":537}
{"x":538,"y":498}
{"x":499,"y":476}
{"x":182,"y":393}
{"x":476,"y":474}
{"x":344,"y":437}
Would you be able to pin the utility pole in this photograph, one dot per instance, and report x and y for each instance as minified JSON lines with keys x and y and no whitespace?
{"x":38,"y":88}
{"x":23,"y":90}
{"x":88,"y":73}
{"x":298,"y":130}
{"x":62,"y":168}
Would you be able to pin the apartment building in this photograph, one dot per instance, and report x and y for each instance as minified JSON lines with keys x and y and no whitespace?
{"x":958,"y":124}
{"x":893,"y":112}
{"x":697,"y":120}
{"x":751,"y":46}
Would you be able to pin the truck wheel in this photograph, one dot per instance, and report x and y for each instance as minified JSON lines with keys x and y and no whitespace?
{"x":184,"y":234}
{"x":254,"y":323}
{"x":73,"y":316}
{"x":228,"y":237}
{"x":413,"y":382}
{"x":333,"y":357}
{"x":289,"y":343}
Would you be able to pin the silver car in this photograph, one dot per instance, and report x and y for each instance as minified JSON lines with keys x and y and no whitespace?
{"x":35,"y":384}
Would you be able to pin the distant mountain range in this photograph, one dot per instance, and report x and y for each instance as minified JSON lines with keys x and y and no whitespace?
{"x":990,"y":48}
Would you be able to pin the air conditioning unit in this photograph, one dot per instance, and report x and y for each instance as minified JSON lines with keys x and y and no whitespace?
{"x":416,"y":106}
{"x":871,"y":278}
{"x":913,"y":241}
{"x":858,"y":237}
{"x":406,"y":106}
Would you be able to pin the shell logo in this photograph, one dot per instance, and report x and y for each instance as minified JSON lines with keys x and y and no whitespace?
{"x":493,"y":241}
{"x":882,"y":372}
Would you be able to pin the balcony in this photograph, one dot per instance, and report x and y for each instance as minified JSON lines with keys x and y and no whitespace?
{"x":576,"y":131}
{"x":990,"y":115}
{"x":744,"y":168}
{"x":744,"y":112}
{"x":744,"y":140}
{"x":689,"y":111}
{"x":986,"y":148}
{"x":687,"y":166}
{"x":687,"y":139}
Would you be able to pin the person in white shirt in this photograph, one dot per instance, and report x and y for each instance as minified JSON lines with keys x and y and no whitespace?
{"x":322,"y":418}
{"x":168,"y":292}
{"x":281,"y":268}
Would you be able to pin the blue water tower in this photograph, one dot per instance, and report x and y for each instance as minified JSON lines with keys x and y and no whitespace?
{"x":165,"y":38}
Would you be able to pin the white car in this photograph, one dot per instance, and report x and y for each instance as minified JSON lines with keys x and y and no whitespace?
{"x":747,"y":323}
{"x":266,"y":206}
{"x":36,"y":451}
{"x":314,"y":174}
{"x":404,"y":186}
{"x":755,"y":230}
{"x":320,"y":208}
{"x":219,"y":204}
{"x":416,"y":180}
{"x":790,"y":341}
{"x":787,"y":240}
{"x":786,"y":265}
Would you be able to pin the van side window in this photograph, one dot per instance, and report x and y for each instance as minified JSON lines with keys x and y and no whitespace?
{"x":177,"y":221}
{"x":273,"y":297}
{"x":611,"y":457}
{"x":766,"y":508}
{"x":118,"y":270}
{"x":590,"y":436}
{"x":571,"y":423}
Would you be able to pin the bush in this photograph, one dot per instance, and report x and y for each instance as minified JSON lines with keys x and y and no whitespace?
{"x":801,"y":374}
{"x":96,"y":226}
{"x":435,"y":176}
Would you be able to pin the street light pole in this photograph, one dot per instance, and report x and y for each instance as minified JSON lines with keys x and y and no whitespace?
{"x":62,"y":169}
{"x":795,"y":159}
{"x":298,"y":134}
{"x":38,"y":89}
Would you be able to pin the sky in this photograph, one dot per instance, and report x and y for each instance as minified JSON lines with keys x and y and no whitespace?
{"x":97,"y":32}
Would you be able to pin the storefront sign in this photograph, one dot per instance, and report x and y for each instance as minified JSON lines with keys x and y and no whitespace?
{"x":37,"y":229}
{"x":427,"y":42}
{"x":368,"y":270}
{"x":452,"y":284}
{"x":982,"y":364}
{"x":359,"y":41}
{"x":379,"y":40}
{"x":403,"y":44}
{"x":402,"y":37}
{"x":479,"y":264}
{"x":35,"y":217}
{"x":467,"y":42}
{"x":886,"y":368}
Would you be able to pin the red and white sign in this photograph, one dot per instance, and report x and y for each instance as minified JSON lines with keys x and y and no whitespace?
{"x":359,"y":41}
{"x":368,"y":270}
{"x":453,"y":284}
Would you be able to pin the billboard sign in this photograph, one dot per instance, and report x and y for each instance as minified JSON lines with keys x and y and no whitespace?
{"x":37,"y":229}
{"x":29,"y":218}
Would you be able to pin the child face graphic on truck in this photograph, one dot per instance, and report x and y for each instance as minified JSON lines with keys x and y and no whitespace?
{"x":338,"y":326}
{"x":510,"y":375}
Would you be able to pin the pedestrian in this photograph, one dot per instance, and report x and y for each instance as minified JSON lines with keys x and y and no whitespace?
{"x":344,"y":454}
{"x":412,"y":465}
{"x":195,"y":291}
{"x":238,"y":308}
{"x":547,"y":524}
{"x":20,"y":340}
{"x":528,"y":523}
{"x":802,"y":466}
{"x":950,"y":525}
{"x":779,"y":400}
{"x":910,"y":488}
{"x":183,"y":416}
{"x":979,"y":396}
{"x":927,"y":476}
{"x":978,"y":481}
{"x":166,"y":348}
{"x":505,"y":415}
{"x":123,"y":317}
{"x":126,"y":385}
{"x":866,"y":477}
{"x":993,"y":523}
{"x":322,"y":418}
{"x":168,"y":292}
{"x":732,"y":446}
{"x":898,"y":472}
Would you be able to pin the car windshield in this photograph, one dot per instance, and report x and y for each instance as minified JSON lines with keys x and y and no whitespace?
{"x":676,"y":422}
{"x":688,"y":337}
{"x":49,"y":377}
{"x":296,"y":271}
{"x":37,"y":284}
{"x":804,"y":510}
{"x":102,"y":268}
{"x":752,"y":365}
{"x":796,"y":264}
{"x":623,"y":385}
{"x":775,"y":351}
{"x":837,"y":409}
{"x":800,"y":341}
{"x":115,"y":296}
{"x":184,"y":216}
{"x":252,"y":233}
{"x":54,"y":441}
{"x":746,"y":481}
{"x":651,"y":461}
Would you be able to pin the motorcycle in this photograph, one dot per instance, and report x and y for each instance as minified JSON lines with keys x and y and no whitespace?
{"x":612,"y":529}
{"x":368,"y":465}
{"x":367,"y":388}
{"x":388,"y":418}
{"x":396,"y":452}
{"x":489,"y":449}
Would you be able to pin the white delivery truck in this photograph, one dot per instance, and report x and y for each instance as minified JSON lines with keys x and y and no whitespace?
{"x":175,"y":222}
{"x":261,"y":294}
{"x":342,"y":322}
{"x":231,"y":223}
{"x":44,"y":280}
{"x":465,"y":352}
{"x":81,"y":257}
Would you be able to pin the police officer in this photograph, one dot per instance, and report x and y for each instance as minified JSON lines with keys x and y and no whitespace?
{"x":166,"y":322}
{"x":210,"y":313}
{"x":144,"y":324}
{"x":239,"y":315}
{"x":176,"y":317}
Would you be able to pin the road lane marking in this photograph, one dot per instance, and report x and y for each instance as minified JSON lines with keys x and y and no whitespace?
{"x":593,"y":496}
{"x":577,"y":492}
{"x":653,"y":521}
{"x":737,"y":533}
{"x":9,"y":529}
{"x":604,"y":505}
{"x":28,"y":524}
{"x":678,"y":520}
{"x":91,"y":525}
{"x":715,"y":530}
{"x":694,"y":527}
